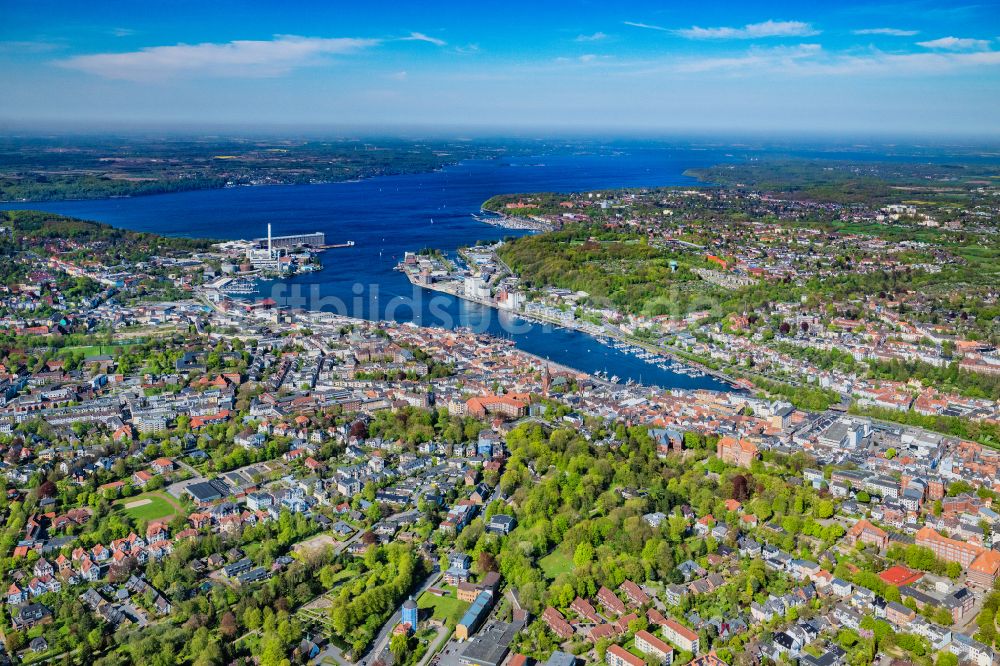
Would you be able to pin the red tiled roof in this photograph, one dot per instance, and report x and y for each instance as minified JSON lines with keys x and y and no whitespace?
{"x":626,"y":656}
{"x":987,"y":563}
{"x":900,"y":575}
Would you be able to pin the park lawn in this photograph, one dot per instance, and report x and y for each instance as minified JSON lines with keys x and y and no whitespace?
{"x":555,"y":563}
{"x":444,"y":608}
{"x":159,"y":507}
{"x":88,"y":351}
{"x":630,"y":647}
{"x":343,"y":575}
{"x":29,"y":657}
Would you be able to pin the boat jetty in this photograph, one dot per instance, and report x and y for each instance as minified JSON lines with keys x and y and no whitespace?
{"x":511,"y":221}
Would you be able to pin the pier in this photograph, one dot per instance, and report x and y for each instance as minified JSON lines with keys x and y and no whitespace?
{"x":505,"y":221}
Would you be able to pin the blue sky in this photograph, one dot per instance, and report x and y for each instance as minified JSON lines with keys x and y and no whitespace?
{"x":894,"y":67}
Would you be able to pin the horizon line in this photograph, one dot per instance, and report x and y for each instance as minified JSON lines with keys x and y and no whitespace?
{"x":33,"y":129}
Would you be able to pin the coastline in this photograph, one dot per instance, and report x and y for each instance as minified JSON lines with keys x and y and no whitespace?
{"x":733,"y":382}
{"x":353,"y":201}
{"x":224,"y":186}
{"x":315,"y":317}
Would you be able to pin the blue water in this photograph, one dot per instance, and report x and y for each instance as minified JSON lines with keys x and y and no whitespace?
{"x":390,"y":215}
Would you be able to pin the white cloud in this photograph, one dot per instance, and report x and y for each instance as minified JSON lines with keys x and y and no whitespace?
{"x":585,"y":59}
{"x":891,"y":32}
{"x":122,"y":32}
{"x":646,"y":26}
{"x":596,"y":37}
{"x":956,"y":44}
{"x":752,"y":31}
{"x":28,"y":47}
{"x":398,"y":76}
{"x":770,"y":58}
{"x":810,"y":60}
{"x":421,"y":37}
{"x":246,"y":58}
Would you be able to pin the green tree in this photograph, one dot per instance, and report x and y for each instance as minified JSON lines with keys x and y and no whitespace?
{"x":953,"y":570}
{"x":583,"y":555}
{"x":824,"y":509}
{"x":399,"y":645}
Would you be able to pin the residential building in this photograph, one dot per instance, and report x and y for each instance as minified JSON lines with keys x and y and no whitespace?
{"x":619,"y":656}
{"x":864,"y":532}
{"x":734,"y":451}
{"x":557,"y":623}
{"x":949,"y":550}
{"x":681,"y":636}
{"x":652,"y":646}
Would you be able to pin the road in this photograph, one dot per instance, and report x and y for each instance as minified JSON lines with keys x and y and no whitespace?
{"x":380,"y":644}
{"x":435,"y":645}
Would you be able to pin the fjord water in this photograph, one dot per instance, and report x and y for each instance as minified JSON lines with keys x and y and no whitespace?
{"x":390,"y":215}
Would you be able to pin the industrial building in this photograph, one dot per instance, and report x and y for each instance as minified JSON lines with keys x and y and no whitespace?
{"x":474,"y":617}
{"x":315,"y":239}
{"x":266,"y":257}
{"x":490,"y":647}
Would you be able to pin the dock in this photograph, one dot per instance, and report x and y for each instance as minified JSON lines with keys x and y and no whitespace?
{"x":334,"y":246}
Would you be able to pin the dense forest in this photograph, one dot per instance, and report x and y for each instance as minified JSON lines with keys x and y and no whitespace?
{"x":30,"y":229}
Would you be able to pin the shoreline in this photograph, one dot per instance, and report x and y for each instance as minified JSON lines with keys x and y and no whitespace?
{"x":554,"y":366}
{"x":732,"y":382}
{"x":143,"y":195}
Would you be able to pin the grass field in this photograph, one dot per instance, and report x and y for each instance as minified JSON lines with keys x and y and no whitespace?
{"x":88,"y":350}
{"x":92,"y":350}
{"x":555,"y":563}
{"x":444,"y":608}
{"x":157,"y":507}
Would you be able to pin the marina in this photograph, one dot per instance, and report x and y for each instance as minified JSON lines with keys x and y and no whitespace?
{"x":510,"y":221}
{"x":239,"y":286}
{"x":662,"y":362}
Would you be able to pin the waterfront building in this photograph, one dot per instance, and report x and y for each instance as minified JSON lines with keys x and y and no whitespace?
{"x":314,"y":239}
